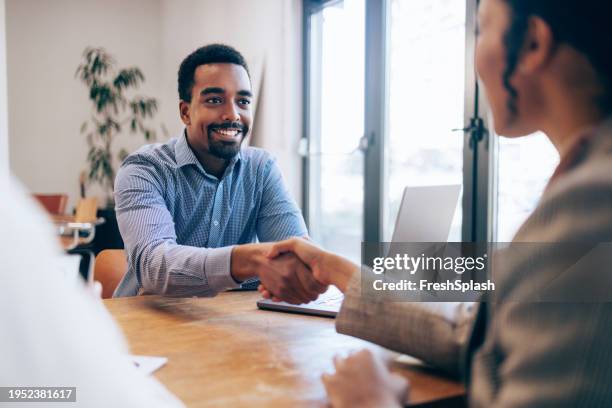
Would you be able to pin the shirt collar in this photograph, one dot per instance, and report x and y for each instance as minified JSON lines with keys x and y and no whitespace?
{"x":185,"y":156}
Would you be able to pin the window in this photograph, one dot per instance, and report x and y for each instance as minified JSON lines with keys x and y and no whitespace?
{"x":426,"y":100}
{"x":519,"y":183}
{"x":336,"y":126}
{"x":396,"y":77}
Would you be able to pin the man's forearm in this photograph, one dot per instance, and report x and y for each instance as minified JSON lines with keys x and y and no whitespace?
{"x":246,"y":260}
{"x":179,"y":270}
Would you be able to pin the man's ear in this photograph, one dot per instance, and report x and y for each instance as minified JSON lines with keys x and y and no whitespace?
{"x":185,"y":112}
{"x":538,"y":47}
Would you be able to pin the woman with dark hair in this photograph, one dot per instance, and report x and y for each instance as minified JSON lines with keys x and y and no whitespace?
{"x":546,"y":66}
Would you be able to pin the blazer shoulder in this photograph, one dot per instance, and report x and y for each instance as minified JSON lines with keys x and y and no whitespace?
{"x":577,"y":206}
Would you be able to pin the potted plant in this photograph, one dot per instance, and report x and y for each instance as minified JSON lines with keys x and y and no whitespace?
{"x":113,"y":113}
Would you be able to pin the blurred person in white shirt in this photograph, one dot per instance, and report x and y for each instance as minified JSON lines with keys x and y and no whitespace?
{"x":54,"y":332}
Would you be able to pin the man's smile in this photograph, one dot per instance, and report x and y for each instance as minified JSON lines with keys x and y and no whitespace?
{"x":228,"y":135}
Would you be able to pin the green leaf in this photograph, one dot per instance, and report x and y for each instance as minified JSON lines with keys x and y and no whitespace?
{"x":128,"y":78}
{"x":123,"y":154}
{"x":111,"y":110}
{"x":150,"y":107}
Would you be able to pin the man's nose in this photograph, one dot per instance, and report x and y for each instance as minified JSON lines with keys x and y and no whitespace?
{"x":230,"y":114}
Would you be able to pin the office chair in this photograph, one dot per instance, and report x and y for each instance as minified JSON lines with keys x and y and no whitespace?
{"x":86,"y":210}
{"x":54,"y":204}
{"x":110,"y":266}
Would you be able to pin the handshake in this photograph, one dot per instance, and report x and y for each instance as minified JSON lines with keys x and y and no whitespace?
{"x":295,"y":271}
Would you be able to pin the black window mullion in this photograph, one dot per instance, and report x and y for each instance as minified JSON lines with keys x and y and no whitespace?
{"x":376,"y":58}
{"x":476,"y":155}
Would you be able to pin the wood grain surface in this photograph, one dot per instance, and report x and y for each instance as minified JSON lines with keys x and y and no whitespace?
{"x":224,"y":352}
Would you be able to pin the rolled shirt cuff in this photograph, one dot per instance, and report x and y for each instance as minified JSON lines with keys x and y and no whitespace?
{"x":218,"y":269}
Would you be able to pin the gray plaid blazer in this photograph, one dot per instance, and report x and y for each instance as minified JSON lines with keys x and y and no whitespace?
{"x":517,"y":353}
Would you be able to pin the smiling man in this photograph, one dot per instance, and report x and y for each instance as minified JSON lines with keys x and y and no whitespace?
{"x":190,"y":209}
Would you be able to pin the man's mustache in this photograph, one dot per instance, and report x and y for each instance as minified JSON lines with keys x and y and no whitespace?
{"x":229,"y":125}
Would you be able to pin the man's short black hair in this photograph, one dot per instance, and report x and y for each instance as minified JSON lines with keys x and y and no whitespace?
{"x":209,"y":54}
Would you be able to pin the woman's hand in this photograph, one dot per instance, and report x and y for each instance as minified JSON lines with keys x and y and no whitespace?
{"x":364,"y":380}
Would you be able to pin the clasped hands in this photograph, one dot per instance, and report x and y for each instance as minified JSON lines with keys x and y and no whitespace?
{"x":295,"y":271}
{"x":283,"y":275}
{"x":312,"y":281}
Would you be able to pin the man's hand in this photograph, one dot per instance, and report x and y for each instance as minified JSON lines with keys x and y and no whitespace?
{"x":327,"y":268}
{"x":363,"y":380}
{"x":285,"y":276}
{"x":290,"y":280}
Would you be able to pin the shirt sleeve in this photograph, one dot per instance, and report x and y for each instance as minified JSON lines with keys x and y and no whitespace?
{"x":279,"y":216}
{"x":435,"y":332}
{"x":161,"y":265}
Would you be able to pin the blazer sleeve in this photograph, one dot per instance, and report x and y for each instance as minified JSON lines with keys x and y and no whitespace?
{"x":434,"y":332}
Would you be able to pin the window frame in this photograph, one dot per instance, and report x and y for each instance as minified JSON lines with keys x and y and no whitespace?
{"x":478,"y":208}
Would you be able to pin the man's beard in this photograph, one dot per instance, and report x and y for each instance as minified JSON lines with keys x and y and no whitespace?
{"x":225,"y":150}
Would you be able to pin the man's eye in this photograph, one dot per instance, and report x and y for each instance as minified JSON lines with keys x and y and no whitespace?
{"x":244,"y":101}
{"x":215,"y":100}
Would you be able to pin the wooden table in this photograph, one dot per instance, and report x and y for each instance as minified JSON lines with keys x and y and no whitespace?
{"x":224,"y":352}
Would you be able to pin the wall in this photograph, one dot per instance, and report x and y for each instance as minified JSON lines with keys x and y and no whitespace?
{"x":45,"y":40}
{"x":47,"y":104}
{"x":265,"y":31}
{"x":3,"y":95}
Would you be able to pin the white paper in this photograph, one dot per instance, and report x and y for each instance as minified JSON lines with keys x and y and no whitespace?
{"x":148,"y":364}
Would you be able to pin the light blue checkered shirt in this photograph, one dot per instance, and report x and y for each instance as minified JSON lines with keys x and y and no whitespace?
{"x":179,"y":223}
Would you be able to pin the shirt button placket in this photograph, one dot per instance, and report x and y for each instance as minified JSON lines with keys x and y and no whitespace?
{"x":217,"y":212}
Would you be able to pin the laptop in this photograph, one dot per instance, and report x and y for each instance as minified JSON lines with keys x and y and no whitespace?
{"x":425,"y":215}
